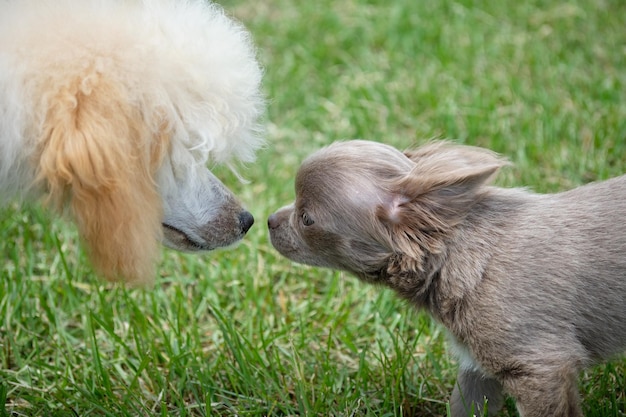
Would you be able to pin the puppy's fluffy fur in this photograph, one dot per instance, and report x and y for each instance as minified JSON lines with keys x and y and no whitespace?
{"x":531,"y":287}
{"x":113,"y":108}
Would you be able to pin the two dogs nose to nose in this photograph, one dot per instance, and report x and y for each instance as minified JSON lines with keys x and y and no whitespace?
{"x":246,"y":220}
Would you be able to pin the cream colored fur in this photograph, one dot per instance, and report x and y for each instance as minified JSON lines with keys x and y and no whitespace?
{"x":114,"y":108}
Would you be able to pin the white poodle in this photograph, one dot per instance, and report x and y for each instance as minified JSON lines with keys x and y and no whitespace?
{"x":112,"y":109}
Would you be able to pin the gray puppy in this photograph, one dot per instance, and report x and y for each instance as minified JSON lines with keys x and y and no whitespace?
{"x":532,"y":288}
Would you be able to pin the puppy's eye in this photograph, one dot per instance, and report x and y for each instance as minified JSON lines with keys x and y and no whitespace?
{"x":307,"y":220}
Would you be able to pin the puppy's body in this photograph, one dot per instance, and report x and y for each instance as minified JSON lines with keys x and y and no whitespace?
{"x":113,"y":108}
{"x":531,"y":287}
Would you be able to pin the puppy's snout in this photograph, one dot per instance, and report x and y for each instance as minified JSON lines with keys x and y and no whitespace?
{"x":272,"y":221}
{"x":246,"y":220}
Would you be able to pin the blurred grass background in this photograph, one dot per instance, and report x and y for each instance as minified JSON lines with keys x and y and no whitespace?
{"x":245,"y":332}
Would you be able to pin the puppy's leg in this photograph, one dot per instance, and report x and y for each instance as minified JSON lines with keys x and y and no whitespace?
{"x":470,"y":391}
{"x":549,"y":394}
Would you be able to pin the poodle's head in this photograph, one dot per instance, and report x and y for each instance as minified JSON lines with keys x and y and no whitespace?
{"x":129,"y":119}
{"x":369,"y":209}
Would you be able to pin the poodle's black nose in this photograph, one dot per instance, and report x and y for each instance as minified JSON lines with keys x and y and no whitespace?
{"x":246,"y":220}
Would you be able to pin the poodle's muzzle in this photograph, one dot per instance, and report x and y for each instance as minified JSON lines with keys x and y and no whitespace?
{"x":200,"y":212}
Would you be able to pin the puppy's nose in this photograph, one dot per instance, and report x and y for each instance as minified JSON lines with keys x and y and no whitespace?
{"x":272,"y":221}
{"x":246,"y":220}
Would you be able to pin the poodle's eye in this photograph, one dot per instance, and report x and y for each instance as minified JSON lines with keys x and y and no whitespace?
{"x":306,"y":219}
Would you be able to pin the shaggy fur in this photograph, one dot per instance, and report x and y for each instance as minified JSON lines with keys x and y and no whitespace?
{"x":113,"y":108}
{"x":531,"y":287}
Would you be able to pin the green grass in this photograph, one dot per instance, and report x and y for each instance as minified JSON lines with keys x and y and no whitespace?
{"x":245,"y":332}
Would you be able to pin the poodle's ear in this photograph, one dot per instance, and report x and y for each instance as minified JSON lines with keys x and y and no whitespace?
{"x":98,"y":156}
{"x":436,"y":194}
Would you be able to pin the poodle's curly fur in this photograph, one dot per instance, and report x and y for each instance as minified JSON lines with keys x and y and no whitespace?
{"x":113,"y":108}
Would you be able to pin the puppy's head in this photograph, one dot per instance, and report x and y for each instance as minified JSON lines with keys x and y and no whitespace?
{"x":359,"y":203}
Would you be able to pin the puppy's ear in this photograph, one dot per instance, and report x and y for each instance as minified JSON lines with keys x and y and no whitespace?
{"x":435,"y":195}
{"x":98,"y":156}
{"x":453,"y":172}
